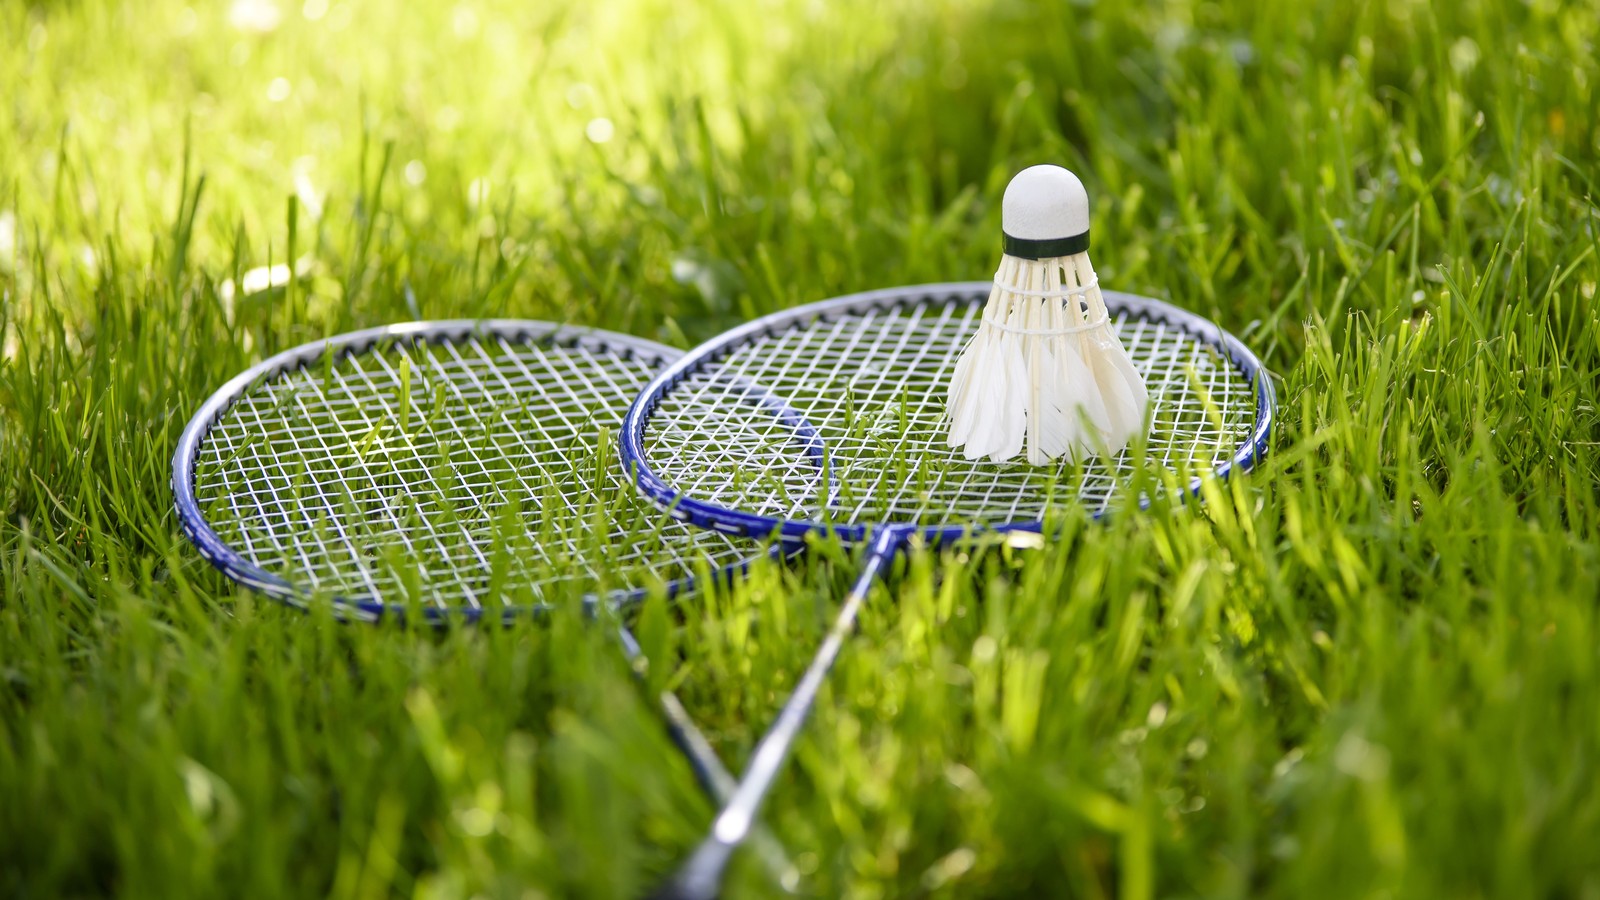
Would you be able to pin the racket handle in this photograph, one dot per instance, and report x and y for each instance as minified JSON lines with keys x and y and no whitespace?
{"x":700,"y":878}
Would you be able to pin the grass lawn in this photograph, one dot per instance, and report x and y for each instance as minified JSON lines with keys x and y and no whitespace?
{"x":1370,"y":669}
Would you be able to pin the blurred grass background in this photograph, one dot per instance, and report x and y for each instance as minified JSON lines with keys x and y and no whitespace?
{"x":1371,"y":669}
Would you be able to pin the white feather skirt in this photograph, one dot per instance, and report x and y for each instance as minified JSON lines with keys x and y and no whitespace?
{"x":1045,"y":370}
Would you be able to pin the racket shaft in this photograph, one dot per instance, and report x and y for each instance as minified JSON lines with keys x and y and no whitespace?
{"x":701,"y":876}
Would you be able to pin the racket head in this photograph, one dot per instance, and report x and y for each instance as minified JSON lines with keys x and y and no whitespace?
{"x":296,"y":479}
{"x":770,"y":391}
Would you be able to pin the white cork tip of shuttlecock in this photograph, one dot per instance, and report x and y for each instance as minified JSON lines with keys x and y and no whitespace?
{"x":1045,"y":203}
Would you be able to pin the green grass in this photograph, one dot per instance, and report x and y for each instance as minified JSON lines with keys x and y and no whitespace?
{"x":1371,"y":669}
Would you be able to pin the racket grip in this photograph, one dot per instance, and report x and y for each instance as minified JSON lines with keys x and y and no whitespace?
{"x":700,"y":878}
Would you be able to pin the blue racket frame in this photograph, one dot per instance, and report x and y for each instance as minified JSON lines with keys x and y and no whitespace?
{"x":701,"y":875}
{"x":697,"y":750}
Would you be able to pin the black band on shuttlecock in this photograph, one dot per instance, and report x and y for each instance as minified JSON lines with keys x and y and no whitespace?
{"x":1024,"y":248}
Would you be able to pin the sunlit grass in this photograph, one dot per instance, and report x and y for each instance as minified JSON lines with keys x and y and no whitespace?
{"x":1369,"y":669}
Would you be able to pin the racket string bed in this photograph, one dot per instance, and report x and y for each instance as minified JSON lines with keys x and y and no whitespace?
{"x":306,"y":472}
{"x":706,"y":451}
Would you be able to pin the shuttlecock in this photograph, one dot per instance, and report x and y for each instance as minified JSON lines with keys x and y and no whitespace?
{"x":1045,"y":369}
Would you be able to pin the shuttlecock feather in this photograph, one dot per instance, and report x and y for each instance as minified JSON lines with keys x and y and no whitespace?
{"x":1045,"y":371}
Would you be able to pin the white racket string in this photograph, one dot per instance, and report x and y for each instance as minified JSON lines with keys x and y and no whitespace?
{"x":500,"y":468}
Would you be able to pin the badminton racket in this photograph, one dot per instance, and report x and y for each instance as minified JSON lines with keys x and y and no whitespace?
{"x":449,"y":470}
{"x":828,"y":419}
